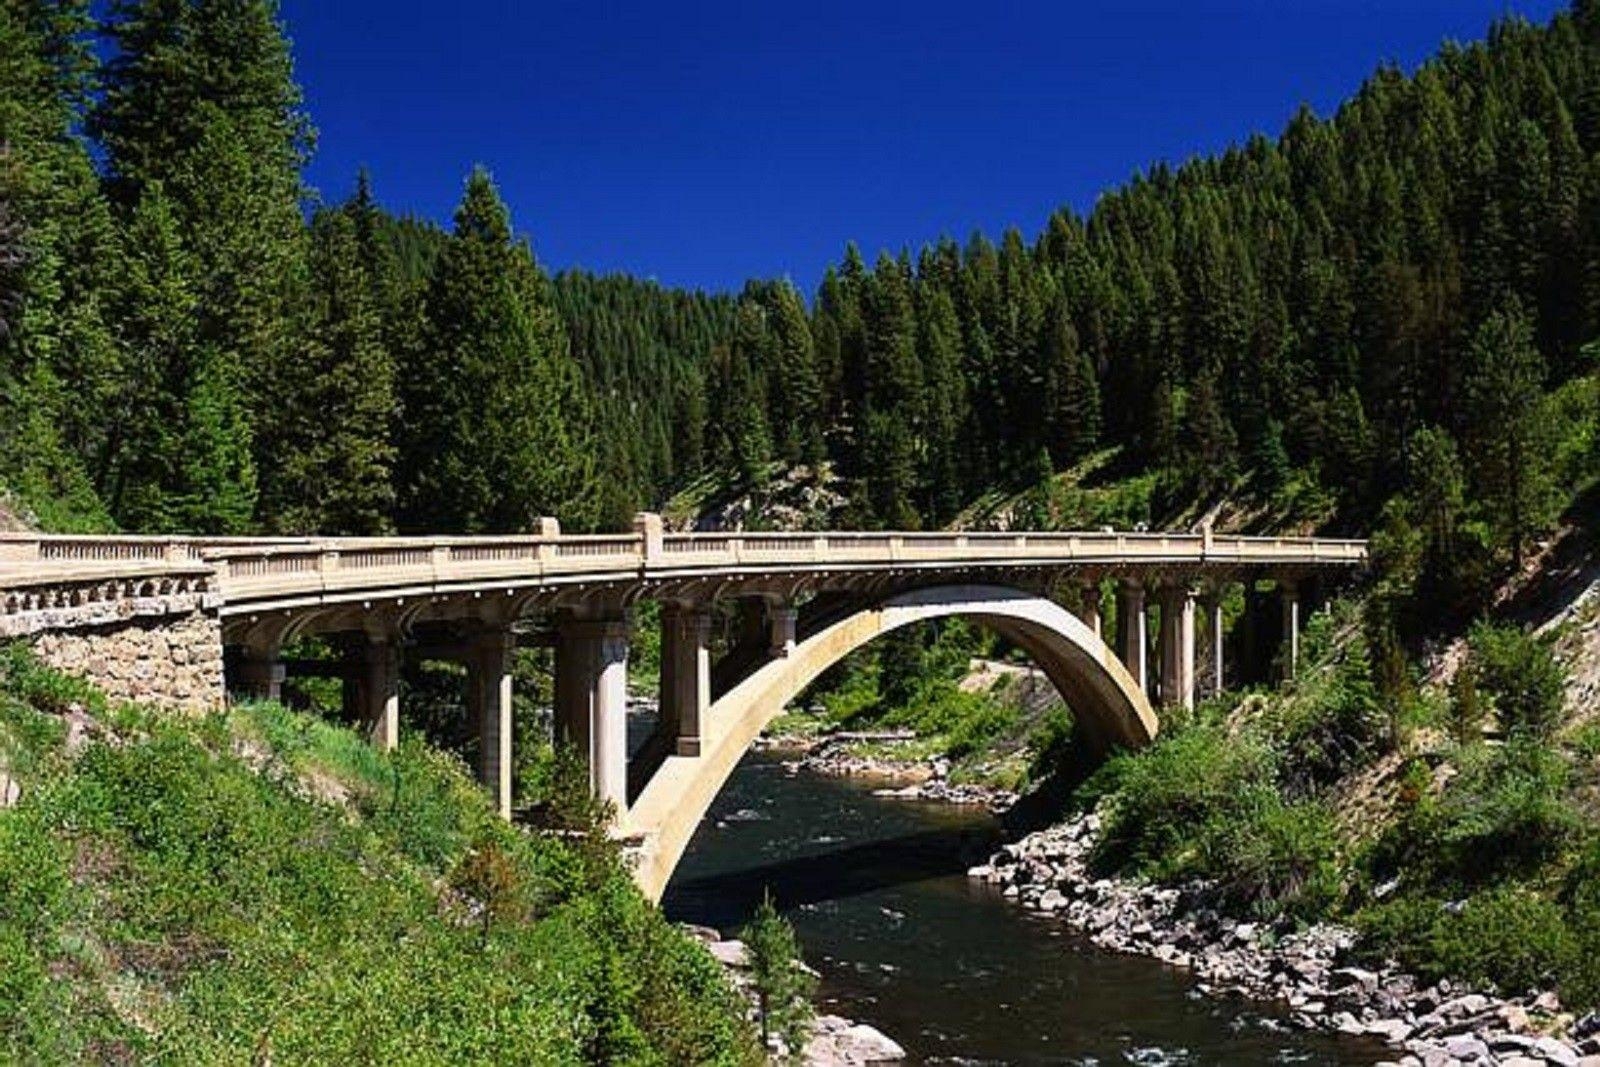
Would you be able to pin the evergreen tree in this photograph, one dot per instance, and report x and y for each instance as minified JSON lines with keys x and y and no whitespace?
{"x":1075,"y":414}
{"x":201,"y":97}
{"x":891,"y":392}
{"x":155,"y":307}
{"x":59,"y":366}
{"x":494,"y":433}
{"x":783,"y":987}
{"x":1504,"y":398}
{"x":337,"y":476}
{"x":797,"y":392}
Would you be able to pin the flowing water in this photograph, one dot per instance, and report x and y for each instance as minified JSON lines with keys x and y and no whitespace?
{"x":876,"y":890}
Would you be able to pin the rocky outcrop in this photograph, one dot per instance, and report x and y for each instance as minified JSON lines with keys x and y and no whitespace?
{"x":1309,"y":972}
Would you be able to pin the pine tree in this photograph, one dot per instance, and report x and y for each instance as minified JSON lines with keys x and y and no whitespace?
{"x":1210,"y":445}
{"x":944,"y":404}
{"x":337,"y":476}
{"x":1075,"y":408}
{"x":494,"y":432}
{"x":783,"y":987}
{"x":1504,"y":386}
{"x":201,"y":98}
{"x":59,"y":366}
{"x":155,"y":307}
{"x":892,"y":390}
{"x":797,"y":393}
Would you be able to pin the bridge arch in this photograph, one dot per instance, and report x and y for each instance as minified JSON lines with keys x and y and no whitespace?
{"x":1110,"y":708}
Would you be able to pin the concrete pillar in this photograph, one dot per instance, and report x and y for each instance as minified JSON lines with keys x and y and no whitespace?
{"x":592,"y":701}
{"x":261,"y":674}
{"x":750,"y":622}
{"x":379,"y":693}
{"x":685,"y":674}
{"x":1289,"y":598}
{"x":1177,"y":645}
{"x":1214,"y":622}
{"x":1132,"y":636}
{"x":489,"y":703}
{"x":781,"y":619}
{"x":1089,"y":605}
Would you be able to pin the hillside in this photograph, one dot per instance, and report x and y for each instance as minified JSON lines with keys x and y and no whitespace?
{"x":259,"y":886}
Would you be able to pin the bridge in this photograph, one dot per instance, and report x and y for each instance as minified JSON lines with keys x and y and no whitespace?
{"x":747,"y":622}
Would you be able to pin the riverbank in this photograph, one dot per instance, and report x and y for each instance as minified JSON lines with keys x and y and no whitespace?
{"x":1310,"y":972}
{"x":874,"y":756}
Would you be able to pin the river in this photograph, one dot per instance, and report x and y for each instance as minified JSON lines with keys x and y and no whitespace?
{"x":877,"y":891}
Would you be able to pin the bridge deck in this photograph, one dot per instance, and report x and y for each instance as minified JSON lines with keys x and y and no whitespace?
{"x":257,"y":574}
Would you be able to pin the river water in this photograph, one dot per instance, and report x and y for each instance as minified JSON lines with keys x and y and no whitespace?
{"x":877,"y":892}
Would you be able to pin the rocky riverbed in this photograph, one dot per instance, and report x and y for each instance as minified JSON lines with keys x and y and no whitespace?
{"x":1307,"y":971}
{"x":835,"y":1040}
{"x":838,"y":755}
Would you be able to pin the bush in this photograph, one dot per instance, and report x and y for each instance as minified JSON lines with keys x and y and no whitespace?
{"x":260,"y":885}
{"x":1505,"y":814}
{"x":1204,"y":803}
{"x":1509,"y":936}
{"x":1332,"y":721}
{"x":1521,"y":677}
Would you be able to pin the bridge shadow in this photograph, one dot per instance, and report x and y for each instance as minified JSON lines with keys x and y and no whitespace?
{"x":731,"y":896}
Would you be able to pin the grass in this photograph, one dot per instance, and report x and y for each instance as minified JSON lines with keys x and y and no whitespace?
{"x":261,"y":885}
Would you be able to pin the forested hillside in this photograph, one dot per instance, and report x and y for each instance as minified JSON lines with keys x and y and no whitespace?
{"x":1342,"y":312}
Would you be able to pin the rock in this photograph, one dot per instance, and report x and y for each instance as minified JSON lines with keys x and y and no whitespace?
{"x":1394,"y":1031}
{"x":1465,"y":1047}
{"x":10,"y":790}
{"x":1346,"y":977}
{"x":1546,"y":1002}
{"x":1556,"y":1052}
{"x":837,"y":1042}
{"x":1513,"y":1018}
{"x":729,"y":953}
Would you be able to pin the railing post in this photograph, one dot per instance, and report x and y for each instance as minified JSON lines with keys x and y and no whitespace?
{"x":20,"y":551}
{"x":647,"y":527}
{"x":549,"y":531}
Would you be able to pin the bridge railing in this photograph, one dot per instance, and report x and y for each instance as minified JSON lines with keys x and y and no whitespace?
{"x":253,"y":568}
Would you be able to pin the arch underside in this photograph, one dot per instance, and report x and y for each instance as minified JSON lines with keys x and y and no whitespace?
{"x":1110,"y":709}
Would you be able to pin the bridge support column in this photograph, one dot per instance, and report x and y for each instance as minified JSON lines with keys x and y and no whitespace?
{"x":1289,"y":598}
{"x":1089,"y":606}
{"x":781,"y":619}
{"x":1214,"y":622}
{"x":592,"y":701}
{"x":1177,"y":646}
{"x":379,"y":692}
{"x":261,"y":674}
{"x":685,"y":674}
{"x":489,"y":696}
{"x":1132,"y":634}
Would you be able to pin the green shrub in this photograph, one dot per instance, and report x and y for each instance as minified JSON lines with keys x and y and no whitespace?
{"x":1522,"y":678}
{"x":262,"y":886}
{"x":1332,"y":721}
{"x":1509,"y":936}
{"x":1506,"y":813}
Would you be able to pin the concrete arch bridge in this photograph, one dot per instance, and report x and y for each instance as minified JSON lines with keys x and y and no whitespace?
{"x":748,"y":621}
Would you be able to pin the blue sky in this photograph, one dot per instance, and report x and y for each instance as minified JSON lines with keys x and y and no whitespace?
{"x":704,"y":143}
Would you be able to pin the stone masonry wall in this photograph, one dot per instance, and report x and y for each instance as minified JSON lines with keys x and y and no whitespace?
{"x":172,"y":661}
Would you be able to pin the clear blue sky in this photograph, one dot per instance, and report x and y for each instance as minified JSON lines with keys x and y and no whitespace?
{"x":704,"y":143}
